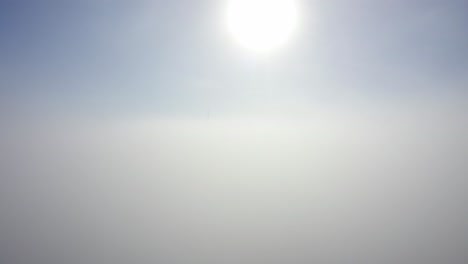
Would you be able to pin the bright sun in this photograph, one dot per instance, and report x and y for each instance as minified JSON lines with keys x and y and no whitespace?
{"x":262,"y":25}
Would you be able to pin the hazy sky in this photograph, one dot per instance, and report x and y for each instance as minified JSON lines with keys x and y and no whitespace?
{"x":140,"y":132}
{"x":170,"y":57}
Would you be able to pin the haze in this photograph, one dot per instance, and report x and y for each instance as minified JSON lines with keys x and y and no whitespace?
{"x":140,"y":132}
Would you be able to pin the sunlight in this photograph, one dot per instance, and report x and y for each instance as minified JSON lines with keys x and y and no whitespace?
{"x":262,"y":26}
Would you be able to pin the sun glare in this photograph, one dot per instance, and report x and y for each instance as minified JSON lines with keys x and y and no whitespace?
{"x":262,"y":25}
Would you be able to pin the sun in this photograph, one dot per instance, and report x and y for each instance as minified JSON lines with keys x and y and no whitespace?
{"x":262,"y":26}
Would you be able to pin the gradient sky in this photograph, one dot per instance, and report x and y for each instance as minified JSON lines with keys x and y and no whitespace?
{"x":139,"y":132}
{"x":175,"y":57}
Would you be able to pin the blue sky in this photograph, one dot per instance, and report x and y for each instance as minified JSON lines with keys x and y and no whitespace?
{"x":171,"y":57}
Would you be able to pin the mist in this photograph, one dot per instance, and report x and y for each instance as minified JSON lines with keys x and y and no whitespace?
{"x":142,"y":132}
{"x":333,"y":187}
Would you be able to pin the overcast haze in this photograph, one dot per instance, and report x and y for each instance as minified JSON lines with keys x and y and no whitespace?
{"x":139,"y":132}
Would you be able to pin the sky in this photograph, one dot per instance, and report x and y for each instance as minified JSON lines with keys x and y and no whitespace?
{"x":174,"y":58}
{"x":140,"y":132}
